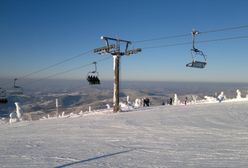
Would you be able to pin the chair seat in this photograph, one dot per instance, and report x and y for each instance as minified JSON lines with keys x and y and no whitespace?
{"x":196,"y":64}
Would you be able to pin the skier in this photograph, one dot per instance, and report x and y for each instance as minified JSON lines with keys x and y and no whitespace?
{"x":170,"y":101}
{"x":186,"y":100}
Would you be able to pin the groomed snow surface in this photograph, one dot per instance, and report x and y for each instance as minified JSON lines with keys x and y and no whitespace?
{"x":200,"y":135}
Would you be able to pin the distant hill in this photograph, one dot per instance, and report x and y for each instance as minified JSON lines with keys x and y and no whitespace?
{"x":41,"y":97}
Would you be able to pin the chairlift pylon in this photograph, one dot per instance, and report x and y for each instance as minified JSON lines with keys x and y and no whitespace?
{"x":195,"y":54}
{"x":92,"y":76}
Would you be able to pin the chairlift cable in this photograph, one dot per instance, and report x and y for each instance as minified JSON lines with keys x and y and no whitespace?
{"x":225,"y":29}
{"x":51,"y":66}
{"x":56,"y":64}
{"x":162,"y":38}
{"x":189,"y":34}
{"x":67,"y":71}
{"x":202,"y":41}
{"x":224,"y":39}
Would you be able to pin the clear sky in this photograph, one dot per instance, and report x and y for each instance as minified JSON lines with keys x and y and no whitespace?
{"x":37,"y":33}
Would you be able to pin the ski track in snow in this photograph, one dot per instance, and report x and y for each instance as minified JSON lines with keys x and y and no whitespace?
{"x":202,"y":135}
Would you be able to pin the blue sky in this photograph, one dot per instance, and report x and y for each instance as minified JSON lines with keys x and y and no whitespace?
{"x":37,"y":33}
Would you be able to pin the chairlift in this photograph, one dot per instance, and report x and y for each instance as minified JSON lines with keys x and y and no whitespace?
{"x":196,"y":54}
{"x":3,"y":98}
{"x":15,"y":90}
{"x":92,"y":76}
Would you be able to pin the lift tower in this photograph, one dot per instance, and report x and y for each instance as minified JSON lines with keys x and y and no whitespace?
{"x":115,"y":51}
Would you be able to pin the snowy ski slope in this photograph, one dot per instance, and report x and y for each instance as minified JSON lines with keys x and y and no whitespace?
{"x":200,"y":135}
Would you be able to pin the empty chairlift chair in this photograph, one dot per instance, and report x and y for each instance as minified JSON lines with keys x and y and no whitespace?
{"x":15,"y":90}
{"x":197,"y":54}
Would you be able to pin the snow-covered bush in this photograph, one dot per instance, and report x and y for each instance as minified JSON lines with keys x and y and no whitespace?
{"x":238,"y":94}
{"x":221,"y":97}
{"x":17,"y":115}
{"x":176,"y":101}
{"x":138,"y":103}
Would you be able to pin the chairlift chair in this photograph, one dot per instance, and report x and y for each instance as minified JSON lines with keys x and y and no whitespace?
{"x":15,"y":90}
{"x":196,"y":54}
{"x":92,"y":76}
{"x":3,"y":98}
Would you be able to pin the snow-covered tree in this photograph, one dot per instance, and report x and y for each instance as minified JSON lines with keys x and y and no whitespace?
{"x":238,"y":94}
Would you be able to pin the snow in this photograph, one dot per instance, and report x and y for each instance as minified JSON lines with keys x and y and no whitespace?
{"x":238,"y":94}
{"x":17,"y":115}
{"x":197,"y":135}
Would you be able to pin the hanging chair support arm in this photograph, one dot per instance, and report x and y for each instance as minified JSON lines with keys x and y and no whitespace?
{"x":194,"y":33}
{"x":95,"y":67}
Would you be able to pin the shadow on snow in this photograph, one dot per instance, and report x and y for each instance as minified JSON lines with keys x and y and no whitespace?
{"x":94,"y":158}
